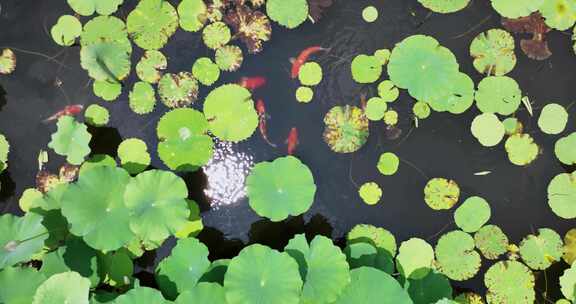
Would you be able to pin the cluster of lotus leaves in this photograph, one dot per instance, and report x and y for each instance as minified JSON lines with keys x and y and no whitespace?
{"x":444,"y":6}
{"x":71,"y":140}
{"x":346,"y":129}
{"x":288,"y":13}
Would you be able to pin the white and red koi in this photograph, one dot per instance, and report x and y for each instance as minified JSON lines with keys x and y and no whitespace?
{"x":292,"y":141}
{"x":67,"y":111}
{"x":262,"y":117}
{"x":303,"y":58}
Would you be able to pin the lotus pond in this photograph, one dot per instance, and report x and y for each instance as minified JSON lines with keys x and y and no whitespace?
{"x":171,"y":151}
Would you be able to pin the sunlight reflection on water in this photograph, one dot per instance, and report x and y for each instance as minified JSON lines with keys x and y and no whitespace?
{"x":226,"y":173}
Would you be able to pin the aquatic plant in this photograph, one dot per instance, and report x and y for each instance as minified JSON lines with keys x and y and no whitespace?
{"x":316,"y":8}
{"x":456,"y":257}
{"x":192,"y":15}
{"x":509,"y":282}
{"x":380,"y":238}
{"x":388,"y":163}
{"x":7,"y":61}
{"x":433,"y":288}
{"x":370,"y":14}
{"x":288,"y":13}
{"x":178,"y":90}
{"x":540,"y":250}
{"x":421,"y":110}
{"x":134,"y":156}
{"x":391,"y":118}
{"x":493,"y":52}
{"x":565,"y":149}
{"x":346,"y":129}
{"x":229,"y":58}
{"x":71,"y":140}
{"x":553,"y":119}
{"x":310,"y":74}
{"x":96,"y":115}
{"x":206,"y":71}
{"x":498,"y":94}
{"x":376,"y":107}
{"x":415,"y":258}
{"x":537,"y":46}
{"x":152,"y":23}
{"x":366,"y":69}
{"x":516,"y":8}
{"x":142,"y":98}
{"x":472,"y":214}
{"x":387,"y":91}
{"x":370,"y":193}
{"x":203,"y":293}
{"x":512,"y":126}
{"x":491,"y":241}
{"x":252,"y":27}
{"x":105,"y":61}
{"x":141,"y":295}
{"x":559,"y":14}
{"x":488,"y":129}
{"x":20,"y":238}
{"x":521,"y":149}
{"x":561,"y":195}
{"x":371,"y":286}
{"x":150,"y":66}
{"x":106,"y":89}
{"x":66,"y":287}
{"x":445,"y":6}
{"x":18,"y":284}
{"x":441,"y":193}
{"x":567,"y":283}
{"x":216,"y":35}
{"x":105,"y":29}
{"x":4,"y":151}
{"x":66,"y":30}
{"x":89,"y":7}
{"x":304,"y":94}
{"x":569,"y":249}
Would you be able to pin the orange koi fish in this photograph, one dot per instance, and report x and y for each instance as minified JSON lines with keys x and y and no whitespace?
{"x":252,"y":83}
{"x":262,"y":116}
{"x":292,"y":141}
{"x":302,"y":58}
{"x":67,"y":111}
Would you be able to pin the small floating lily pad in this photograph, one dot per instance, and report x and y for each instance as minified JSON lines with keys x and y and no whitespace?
{"x":142,"y":98}
{"x":7,"y":61}
{"x":456,"y":257}
{"x":71,"y":140}
{"x":498,"y":94}
{"x":441,"y":193}
{"x":493,"y":52}
{"x":66,"y":30}
{"x":216,"y":35}
{"x":97,"y":115}
{"x":134,"y":156}
{"x":370,"y":193}
{"x":472,"y":214}
{"x":383,"y":55}
{"x":516,"y":8}
{"x":304,"y":94}
{"x":150,"y":66}
{"x":229,"y":58}
{"x":565,"y":149}
{"x":388,"y":163}
{"x":553,"y":119}
{"x":509,"y":282}
{"x":387,"y":91}
{"x":491,"y":241}
{"x":178,"y":90}
{"x":567,"y":283}
{"x":562,"y":195}
{"x":540,"y":250}
{"x":512,"y":126}
{"x":421,"y":110}
{"x":366,"y":69}
{"x":106,"y":89}
{"x":206,"y":71}
{"x":370,"y":14}
{"x":488,"y":129}
{"x":415,"y":258}
{"x":310,"y":74}
{"x":521,"y":149}
{"x":376,"y":107}
{"x":346,"y":129}
{"x":444,"y":6}
{"x":569,"y":255}
{"x":152,"y":23}
{"x":192,"y":14}
{"x":288,"y":13}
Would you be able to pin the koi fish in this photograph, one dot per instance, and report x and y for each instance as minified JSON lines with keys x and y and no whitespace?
{"x":302,"y":58}
{"x":67,"y":111}
{"x":483,"y":173}
{"x":262,"y":116}
{"x":252,"y":83}
{"x":292,"y":140}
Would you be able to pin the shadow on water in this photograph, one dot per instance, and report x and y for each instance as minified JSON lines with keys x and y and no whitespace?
{"x":7,"y":187}
{"x":105,"y":140}
{"x":197,"y":182}
{"x":3,"y":100}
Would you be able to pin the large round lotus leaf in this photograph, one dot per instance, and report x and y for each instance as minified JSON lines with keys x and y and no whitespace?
{"x":182,"y":269}
{"x":142,"y":98}
{"x":212,"y":293}
{"x":380,"y":238}
{"x":541,"y":250}
{"x":472,"y":214}
{"x":74,"y":256}
{"x":100,"y":217}
{"x":372,"y":286}
{"x":516,"y":8}
{"x":150,"y":66}
{"x":562,"y":195}
{"x":280,"y":188}
{"x":488,"y":129}
{"x":152,"y":23}
{"x":310,"y":74}
{"x":370,"y":193}
{"x":456,"y":257}
{"x":7,"y":61}
{"x":141,"y":295}
{"x":17,"y":285}
{"x":568,"y":282}
{"x":192,"y":14}
{"x":157,"y":203}
{"x":106,"y":29}
{"x":569,"y":255}
{"x":89,"y":7}
{"x":388,"y":163}
{"x":433,"y":287}
{"x":20,"y":238}
{"x":259,"y":274}
{"x":66,"y":287}
{"x":361,"y":254}
{"x":493,"y":52}
{"x":134,"y":156}
{"x":491,"y":241}
{"x":457,"y":100}
{"x":346,"y":129}
{"x":565,"y":149}
{"x":288,"y":13}
{"x":498,"y":94}
{"x":105,"y":61}
{"x":4,"y":150}
{"x":108,"y":90}
{"x":97,"y":160}
{"x":441,"y":193}
{"x":206,"y":71}
{"x":553,"y":119}
{"x":559,"y":14}
{"x":96,"y":115}
{"x":444,"y":6}
{"x":178,"y":90}
{"x":66,"y":30}
{"x":376,"y":107}
{"x":184,"y":144}
{"x":423,"y":67}
{"x":304,"y":94}
{"x":229,"y":58}
{"x":230,"y":113}
{"x":415,"y":258}
{"x":509,"y":282}
{"x":71,"y":140}
{"x":366,"y":69}
{"x":521,"y":149}
{"x":216,"y":35}
{"x":370,"y":14}
{"x":323,"y":268}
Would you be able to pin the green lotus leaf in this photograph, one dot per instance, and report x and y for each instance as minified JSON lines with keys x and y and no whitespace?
{"x":310,"y":74}
{"x":509,"y":282}
{"x":52,"y":199}
{"x":142,"y":98}
{"x":97,"y":160}
{"x":415,"y":258}
{"x":387,"y":91}
{"x":366,"y":69}
{"x":74,"y":256}
{"x":457,"y":100}
{"x":7,"y":61}
{"x":362,"y":254}
{"x":444,"y":6}
{"x":565,"y":149}
{"x":152,"y":23}
{"x":569,"y":255}
{"x":376,"y":107}
{"x":472,"y":214}
{"x":423,"y":67}
{"x":206,"y":71}
{"x":559,"y":14}
{"x":229,"y":58}
{"x":106,"y":29}
{"x":105,"y":61}
{"x":430,"y":289}
{"x":184,"y":144}
{"x":150,"y":66}
{"x":141,"y":295}
{"x":516,"y":8}
{"x":346,"y":129}
{"x":134,"y":156}
{"x":488,"y":129}
{"x":391,"y":118}
{"x":370,"y":193}
{"x":383,"y":55}
{"x":541,"y":250}
{"x":89,"y":7}
{"x":567,"y":283}
{"x":562,"y":195}
{"x":66,"y":30}
{"x":372,"y":286}
{"x":108,"y":90}
{"x":230,"y":113}
{"x":304,"y":94}
{"x":521,"y":149}
{"x":157,"y":203}
{"x":4,"y":151}
{"x":216,"y":272}
{"x":491,"y":241}
{"x":216,"y":35}
{"x":194,"y":224}
{"x":178,"y":90}
{"x":116,"y":267}
{"x":17,"y":285}
{"x":323,"y":268}
{"x":71,"y":140}
{"x":288,"y":13}
{"x":493,"y":52}
{"x":512,"y":126}
{"x":553,"y":119}
{"x":280,"y":188}
{"x":498,"y":94}
{"x":66,"y":287}
{"x":380,"y":238}
{"x":370,"y":14}
{"x":212,"y":293}
{"x":421,"y":110}
{"x":469,"y":298}
{"x":29,"y":198}
{"x":388,"y":163}
{"x":96,"y":115}
{"x":182,"y":269}
{"x":253,"y":277}
{"x":441,"y":193}
{"x":99,"y":217}
{"x":192,"y":15}
{"x":20,"y":238}
{"x":456,"y":257}
{"x":562,"y":301}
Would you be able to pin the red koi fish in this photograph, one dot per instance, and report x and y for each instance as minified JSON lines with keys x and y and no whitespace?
{"x":252,"y":83}
{"x":302,"y":58}
{"x":292,"y":141}
{"x":67,"y":111}
{"x":262,"y":116}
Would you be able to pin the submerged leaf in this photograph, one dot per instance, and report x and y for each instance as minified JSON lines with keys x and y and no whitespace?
{"x":346,"y":129}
